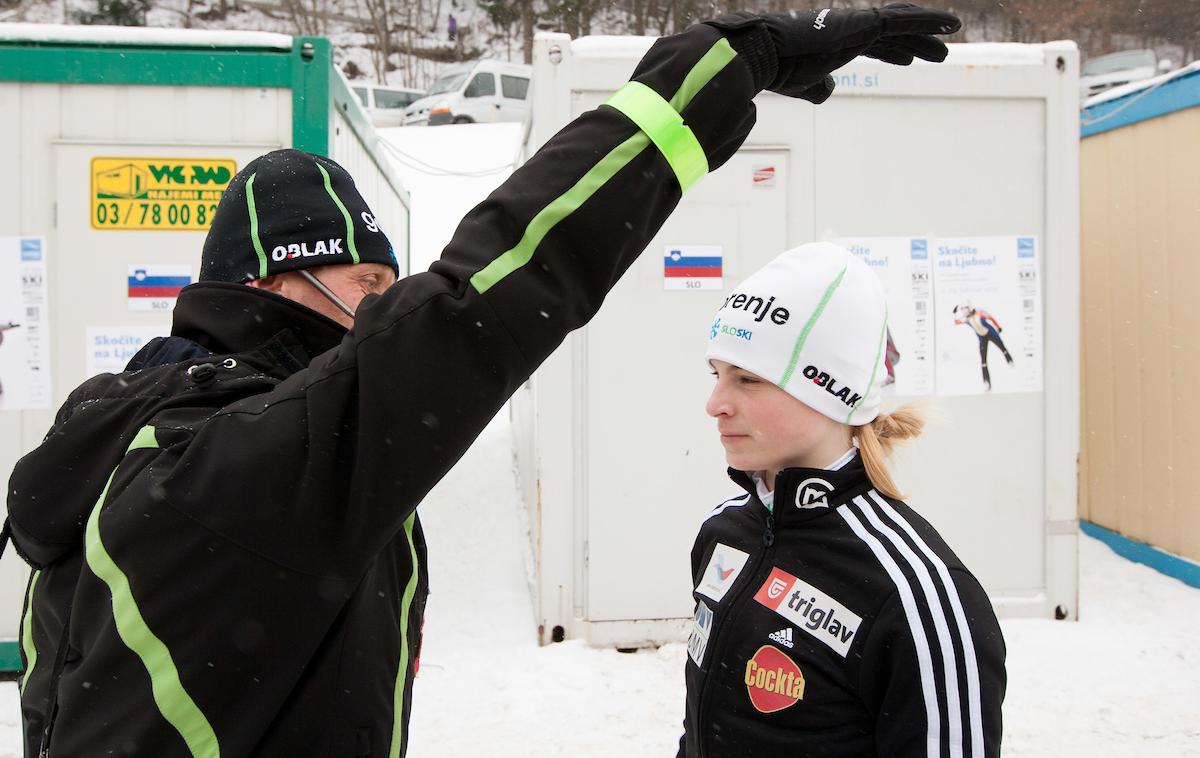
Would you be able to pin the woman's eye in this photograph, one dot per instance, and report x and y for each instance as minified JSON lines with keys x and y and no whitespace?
{"x":747,"y":380}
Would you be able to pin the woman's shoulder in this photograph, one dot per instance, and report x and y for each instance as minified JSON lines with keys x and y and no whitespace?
{"x":904,"y":533}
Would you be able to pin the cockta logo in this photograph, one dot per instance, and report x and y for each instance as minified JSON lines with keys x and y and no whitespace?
{"x":773,"y":680}
{"x":759,"y":307}
{"x":830,"y":385}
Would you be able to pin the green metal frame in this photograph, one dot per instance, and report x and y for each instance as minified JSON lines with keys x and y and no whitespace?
{"x":10,"y":657}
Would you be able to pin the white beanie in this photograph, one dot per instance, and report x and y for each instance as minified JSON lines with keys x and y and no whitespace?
{"x":814,"y":322}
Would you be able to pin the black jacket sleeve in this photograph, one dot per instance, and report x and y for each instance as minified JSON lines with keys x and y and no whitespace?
{"x":323,"y":471}
{"x":909,"y":676}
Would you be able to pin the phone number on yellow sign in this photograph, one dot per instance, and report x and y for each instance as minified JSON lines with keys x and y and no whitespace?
{"x":136,"y":214}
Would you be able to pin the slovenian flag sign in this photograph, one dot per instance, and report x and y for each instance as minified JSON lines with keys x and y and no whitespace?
{"x":155,"y":287}
{"x":692,"y":267}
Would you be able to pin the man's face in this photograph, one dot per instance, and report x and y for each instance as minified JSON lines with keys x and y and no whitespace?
{"x":351,"y":282}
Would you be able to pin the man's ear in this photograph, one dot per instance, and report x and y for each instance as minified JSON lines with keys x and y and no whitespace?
{"x":272,"y":283}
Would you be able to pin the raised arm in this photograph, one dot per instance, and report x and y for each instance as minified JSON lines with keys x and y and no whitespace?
{"x":427,"y":364}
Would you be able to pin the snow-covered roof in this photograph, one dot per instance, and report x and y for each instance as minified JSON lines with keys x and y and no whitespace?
{"x":961,"y":54}
{"x":134,"y":35}
{"x":1141,"y":101}
{"x":1128,"y":89}
{"x":601,"y":46}
{"x":1004,"y":53}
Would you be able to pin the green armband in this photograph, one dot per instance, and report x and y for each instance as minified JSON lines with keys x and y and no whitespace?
{"x":665,"y":128}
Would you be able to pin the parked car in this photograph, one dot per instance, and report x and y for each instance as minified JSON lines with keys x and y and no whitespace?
{"x":483,"y":91}
{"x":1113,"y":70}
{"x":385,"y":105}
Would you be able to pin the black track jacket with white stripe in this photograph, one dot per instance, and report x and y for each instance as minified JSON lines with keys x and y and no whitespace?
{"x":840,"y":624}
{"x":234,"y":552}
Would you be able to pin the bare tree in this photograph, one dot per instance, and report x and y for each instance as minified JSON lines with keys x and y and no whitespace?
{"x":306,"y":15}
{"x":379,"y":14}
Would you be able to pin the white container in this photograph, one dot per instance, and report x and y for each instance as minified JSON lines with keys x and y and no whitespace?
{"x":618,"y":461}
{"x":103,"y":111}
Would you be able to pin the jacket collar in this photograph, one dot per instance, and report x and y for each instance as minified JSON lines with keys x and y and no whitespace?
{"x":804,"y":493}
{"x":234,"y":318}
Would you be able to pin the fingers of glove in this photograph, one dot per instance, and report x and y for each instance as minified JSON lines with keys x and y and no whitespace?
{"x":905,"y":18}
{"x":927,"y":47}
{"x":819,"y":92}
{"x":921,"y":46}
{"x":888,"y":54}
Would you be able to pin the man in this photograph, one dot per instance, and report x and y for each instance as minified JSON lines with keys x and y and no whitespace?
{"x":251,"y":579}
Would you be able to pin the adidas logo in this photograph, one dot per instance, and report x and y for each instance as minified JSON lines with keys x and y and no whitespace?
{"x":783,"y":637}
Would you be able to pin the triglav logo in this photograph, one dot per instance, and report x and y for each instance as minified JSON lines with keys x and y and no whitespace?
{"x":830,"y":385}
{"x":810,"y":609}
{"x":813,"y":493}
{"x":776,"y":588}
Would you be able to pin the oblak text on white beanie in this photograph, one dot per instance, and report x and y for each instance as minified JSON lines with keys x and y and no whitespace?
{"x":814,"y":322}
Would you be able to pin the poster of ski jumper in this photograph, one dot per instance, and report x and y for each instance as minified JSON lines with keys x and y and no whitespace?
{"x":988,"y":315}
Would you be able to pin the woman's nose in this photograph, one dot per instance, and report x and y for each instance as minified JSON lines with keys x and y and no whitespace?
{"x":717,"y":404}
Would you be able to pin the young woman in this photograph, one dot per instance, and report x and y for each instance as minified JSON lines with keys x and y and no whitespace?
{"x":830,"y":618}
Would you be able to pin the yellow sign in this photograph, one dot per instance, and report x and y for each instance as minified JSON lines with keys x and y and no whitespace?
{"x":160,"y":194}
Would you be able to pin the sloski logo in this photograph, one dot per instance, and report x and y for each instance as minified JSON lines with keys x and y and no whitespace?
{"x":782,"y":637}
{"x":773,"y":680}
{"x":813,"y":493}
{"x":723,"y":569}
{"x":810,"y":609}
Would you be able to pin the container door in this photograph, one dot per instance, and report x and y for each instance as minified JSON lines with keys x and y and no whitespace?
{"x":655,"y":466}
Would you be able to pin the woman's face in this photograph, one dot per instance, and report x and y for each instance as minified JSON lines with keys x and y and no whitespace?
{"x":764,"y":428}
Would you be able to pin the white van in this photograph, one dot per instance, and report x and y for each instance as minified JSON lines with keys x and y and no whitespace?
{"x":483,"y":91}
{"x":385,"y":105}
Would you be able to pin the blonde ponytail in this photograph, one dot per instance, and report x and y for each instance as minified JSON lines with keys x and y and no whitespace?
{"x":877,"y":439}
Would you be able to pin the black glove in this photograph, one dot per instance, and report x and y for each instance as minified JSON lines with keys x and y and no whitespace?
{"x":811,"y":44}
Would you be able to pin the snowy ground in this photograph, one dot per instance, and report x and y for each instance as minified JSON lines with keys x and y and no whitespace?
{"x":1122,"y":681}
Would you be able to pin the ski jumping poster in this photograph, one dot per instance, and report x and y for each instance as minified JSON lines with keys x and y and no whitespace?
{"x":110,"y":348}
{"x":24,"y":331}
{"x":988,"y":315}
{"x":903,"y":265}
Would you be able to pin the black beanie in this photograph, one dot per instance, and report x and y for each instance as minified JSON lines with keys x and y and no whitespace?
{"x":288,"y":210}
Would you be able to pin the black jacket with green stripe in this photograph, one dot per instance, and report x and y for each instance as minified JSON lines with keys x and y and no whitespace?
{"x":231,"y":540}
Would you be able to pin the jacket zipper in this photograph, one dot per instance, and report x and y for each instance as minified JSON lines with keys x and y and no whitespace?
{"x":768,"y":540}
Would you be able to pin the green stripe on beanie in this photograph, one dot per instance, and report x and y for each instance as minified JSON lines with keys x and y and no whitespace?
{"x":276,"y":216}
